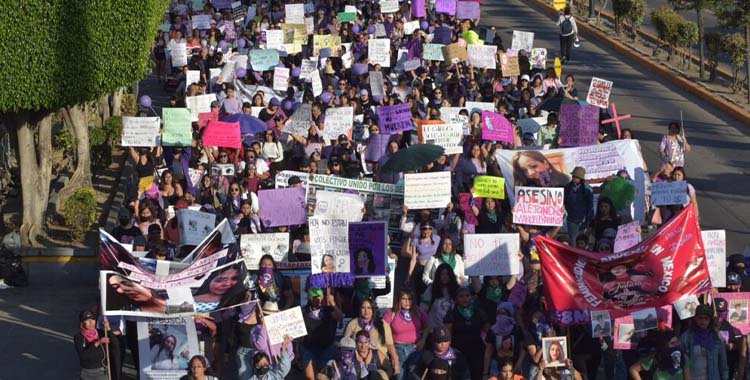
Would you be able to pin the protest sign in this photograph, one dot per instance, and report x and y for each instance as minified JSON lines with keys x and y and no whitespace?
{"x":491,"y":254}
{"x":410,"y":27}
{"x":295,"y":13}
{"x":179,"y":55}
{"x":275,"y":39}
{"x":326,"y":41}
{"x":192,"y":77}
{"x":379,"y":52}
{"x":595,"y":281}
{"x":487,"y":186}
{"x":446,"y":6}
{"x":539,"y":206}
{"x":427,"y":190}
{"x":280,"y":78}
{"x":480,"y":107}
{"x":449,"y":136}
{"x":628,"y":235}
{"x":141,"y":131}
{"x":199,"y":104}
{"x":464,"y":201}
{"x":669,"y":193}
{"x":376,"y":147}
{"x":509,"y":64}
{"x":222,"y":4}
{"x":201,"y":22}
{"x":255,"y":246}
{"x":347,"y":17}
{"x":228,"y":71}
{"x":482,"y":56}
{"x":317,"y":85}
{"x":298,"y":34}
{"x":226,"y":170}
{"x":300,"y":121}
{"x":738,"y":305}
{"x":455,"y":53}
{"x":384,"y":302}
{"x":339,"y":121}
{"x":539,"y":58}
{"x":367,"y":248}
{"x":380,"y":30}
{"x":433,"y":52}
{"x":339,"y":206}
{"x":288,"y":322}
{"x":412,"y":64}
{"x":329,"y":243}
{"x":282,"y":207}
{"x":178,"y":130}
{"x":715,"y":242}
{"x":467,"y":10}
{"x":264,"y":59}
{"x":309,"y":25}
{"x":522,"y":41}
{"x":393,"y":119}
{"x":239,"y":12}
{"x":223,"y":135}
{"x":418,"y":8}
{"x":194,"y":225}
{"x":307,"y":67}
{"x":599,"y":91}
{"x":389,"y":6}
{"x":579,"y":125}
{"x":182,"y":333}
{"x":495,"y":127}
{"x":377,"y":86}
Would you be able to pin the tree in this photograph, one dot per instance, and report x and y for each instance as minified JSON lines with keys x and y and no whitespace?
{"x":734,"y":46}
{"x":667,"y":23}
{"x":735,"y":14}
{"x":631,"y":11}
{"x":61,"y":54}
{"x":713,"y":45}
{"x":698,"y":6}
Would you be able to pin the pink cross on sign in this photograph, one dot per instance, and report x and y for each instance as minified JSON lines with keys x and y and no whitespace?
{"x":616,"y":119}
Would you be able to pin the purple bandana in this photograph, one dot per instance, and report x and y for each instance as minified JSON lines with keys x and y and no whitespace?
{"x":503,"y":325}
{"x":265,"y":277}
{"x":405,"y":315}
{"x":447,"y":355}
{"x":367,"y":326}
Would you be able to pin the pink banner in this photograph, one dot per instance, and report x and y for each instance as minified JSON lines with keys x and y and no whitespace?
{"x":222,"y":134}
{"x":205,"y":117}
{"x":496,"y":127}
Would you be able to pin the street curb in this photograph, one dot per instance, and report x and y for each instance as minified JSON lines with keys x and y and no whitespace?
{"x":730,"y":109}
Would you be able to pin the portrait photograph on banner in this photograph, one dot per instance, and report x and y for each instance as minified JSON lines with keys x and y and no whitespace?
{"x":165,"y":347}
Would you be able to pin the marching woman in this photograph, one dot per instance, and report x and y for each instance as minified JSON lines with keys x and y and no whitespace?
{"x":89,"y":344}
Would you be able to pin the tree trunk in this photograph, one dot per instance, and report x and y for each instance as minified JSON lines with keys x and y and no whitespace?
{"x":105,"y":109}
{"x":117,"y":102}
{"x":76,"y":118}
{"x":701,"y":52}
{"x":34,"y":131}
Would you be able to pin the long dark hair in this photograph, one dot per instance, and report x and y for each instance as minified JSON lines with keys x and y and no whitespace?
{"x":438,"y":287}
{"x":376,"y":320}
{"x":397,"y":302}
{"x":370,"y":260}
{"x":612,"y":211}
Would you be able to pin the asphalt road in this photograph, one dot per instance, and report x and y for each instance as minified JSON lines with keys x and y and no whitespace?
{"x":718,"y":167}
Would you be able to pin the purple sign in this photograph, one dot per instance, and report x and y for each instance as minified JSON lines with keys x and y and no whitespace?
{"x":495,"y":127}
{"x":222,"y":4}
{"x":283,"y":207}
{"x":376,"y":146}
{"x":446,"y":6}
{"x":442,"y":36}
{"x":393,"y":119}
{"x":367,"y":253}
{"x":417,"y":8}
{"x":579,"y":125}
{"x":467,"y":10}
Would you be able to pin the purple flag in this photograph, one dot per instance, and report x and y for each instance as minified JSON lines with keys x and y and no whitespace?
{"x":367,"y":248}
{"x":496,"y":127}
{"x":579,"y":125}
{"x":417,"y":8}
{"x":283,"y":207}
{"x":446,"y":6}
{"x":376,"y":146}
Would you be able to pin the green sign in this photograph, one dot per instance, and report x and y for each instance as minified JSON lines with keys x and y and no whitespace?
{"x":486,"y":186}
{"x":178,"y":127}
{"x":347,"y":16}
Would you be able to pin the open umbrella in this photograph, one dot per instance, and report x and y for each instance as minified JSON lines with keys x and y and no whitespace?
{"x":249,"y":124}
{"x":553,"y":104}
{"x":412,"y":158}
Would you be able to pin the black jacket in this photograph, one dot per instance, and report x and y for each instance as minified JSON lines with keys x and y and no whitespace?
{"x":90,"y":356}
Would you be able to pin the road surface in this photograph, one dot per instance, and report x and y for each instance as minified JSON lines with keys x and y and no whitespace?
{"x":718,"y":167}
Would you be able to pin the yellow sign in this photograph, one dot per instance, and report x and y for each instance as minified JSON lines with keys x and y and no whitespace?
{"x":558,"y":67}
{"x":486,"y":186}
{"x":558,"y":4}
{"x":294,"y":34}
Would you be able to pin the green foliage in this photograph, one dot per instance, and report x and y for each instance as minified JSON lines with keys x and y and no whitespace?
{"x":79,"y":211}
{"x":713,"y":48}
{"x":666,"y":21}
{"x":635,"y":13}
{"x":734,"y":46}
{"x":129,"y":105}
{"x":58,"y":53}
{"x":97,"y":136}
{"x":113,"y":129}
{"x":733,"y":13}
{"x":64,"y":140}
{"x":687,"y":34}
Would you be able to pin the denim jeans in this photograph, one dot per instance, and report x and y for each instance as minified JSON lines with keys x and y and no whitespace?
{"x":573,"y":230}
{"x":405,"y":353}
{"x":244,"y":358}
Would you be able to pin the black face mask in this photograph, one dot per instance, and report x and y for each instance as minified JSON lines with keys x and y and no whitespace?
{"x":124,"y":221}
{"x":260,"y":371}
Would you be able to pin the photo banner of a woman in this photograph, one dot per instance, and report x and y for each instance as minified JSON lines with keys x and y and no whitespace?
{"x":329,"y":243}
{"x":165,"y":346}
{"x":658,"y":271}
{"x":367,"y":243}
{"x":552,"y":167}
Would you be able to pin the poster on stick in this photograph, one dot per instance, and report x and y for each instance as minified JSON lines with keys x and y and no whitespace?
{"x":329,"y":244}
{"x":539,"y":206}
{"x":599,"y":91}
{"x":288,"y":322}
{"x":427,"y":190}
{"x":669,"y":193}
{"x":141,"y":131}
{"x":491,"y":254}
{"x":715,"y":242}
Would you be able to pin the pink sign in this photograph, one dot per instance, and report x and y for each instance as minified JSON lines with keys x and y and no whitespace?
{"x":463,"y":201}
{"x":495,"y":127}
{"x":628,"y":235}
{"x":446,"y":6}
{"x":205,"y":117}
{"x":222,"y":134}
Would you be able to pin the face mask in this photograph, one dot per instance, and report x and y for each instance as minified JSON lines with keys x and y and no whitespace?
{"x":261,"y":371}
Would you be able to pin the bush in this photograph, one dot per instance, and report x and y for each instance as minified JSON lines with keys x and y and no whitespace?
{"x":79,"y":212}
{"x":734,"y":46}
{"x":64,"y":140}
{"x":667,"y":23}
{"x":713,"y":48}
{"x":97,"y":136}
{"x":129,"y":105}
{"x":113,"y":129}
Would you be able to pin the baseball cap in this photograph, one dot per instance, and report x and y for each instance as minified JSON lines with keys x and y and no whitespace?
{"x":704,"y":310}
{"x":364,"y":92}
{"x":274,"y":102}
{"x":347,"y":343}
{"x":733,"y":279}
{"x":441,"y":334}
{"x":525,"y":77}
{"x":86,"y":315}
{"x":529,"y":136}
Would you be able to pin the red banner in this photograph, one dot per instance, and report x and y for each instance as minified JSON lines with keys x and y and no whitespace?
{"x":656,"y":272}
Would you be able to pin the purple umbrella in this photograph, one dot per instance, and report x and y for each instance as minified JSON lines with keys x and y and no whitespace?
{"x":249,"y":124}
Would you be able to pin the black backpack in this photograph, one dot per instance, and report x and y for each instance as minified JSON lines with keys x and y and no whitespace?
{"x":566,"y":27}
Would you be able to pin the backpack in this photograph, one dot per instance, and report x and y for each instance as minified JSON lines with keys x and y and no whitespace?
{"x":566,"y":27}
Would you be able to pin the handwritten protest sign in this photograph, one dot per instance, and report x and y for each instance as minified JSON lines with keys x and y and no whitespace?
{"x":433,"y":52}
{"x":295,"y":13}
{"x":275,"y":39}
{"x":264,"y":59}
{"x":194,"y":225}
{"x":389,"y":6}
{"x":141,"y":131}
{"x":446,"y":6}
{"x":178,"y":130}
{"x":455,"y":53}
{"x":347,"y":16}
{"x":491,"y":254}
{"x":427,"y":190}
{"x":487,"y":186}
{"x":393,"y":119}
{"x":280,"y":78}
{"x":449,"y":136}
{"x":467,"y":10}
{"x":222,"y":134}
{"x":288,"y":322}
{"x":199,"y":104}
{"x":579,"y":125}
{"x":317,"y":84}
{"x":300,"y":121}
{"x":410,"y":27}
{"x":339,"y":121}
{"x":539,"y":206}
{"x":255,"y":246}
{"x":376,"y":83}
{"x":715,"y":244}
{"x":379,"y":52}
{"x":329,"y":244}
{"x":628,"y":235}
{"x":669,"y":193}
{"x":539,"y":58}
{"x":522,"y":41}
{"x":339,"y":205}
{"x":367,"y":248}
{"x":509,"y":64}
{"x":201,"y":22}
{"x":482,"y":56}
{"x":599,"y":91}
{"x":283,"y":207}
{"x":179,"y":55}
{"x":323,"y":41}
{"x":495,"y":127}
